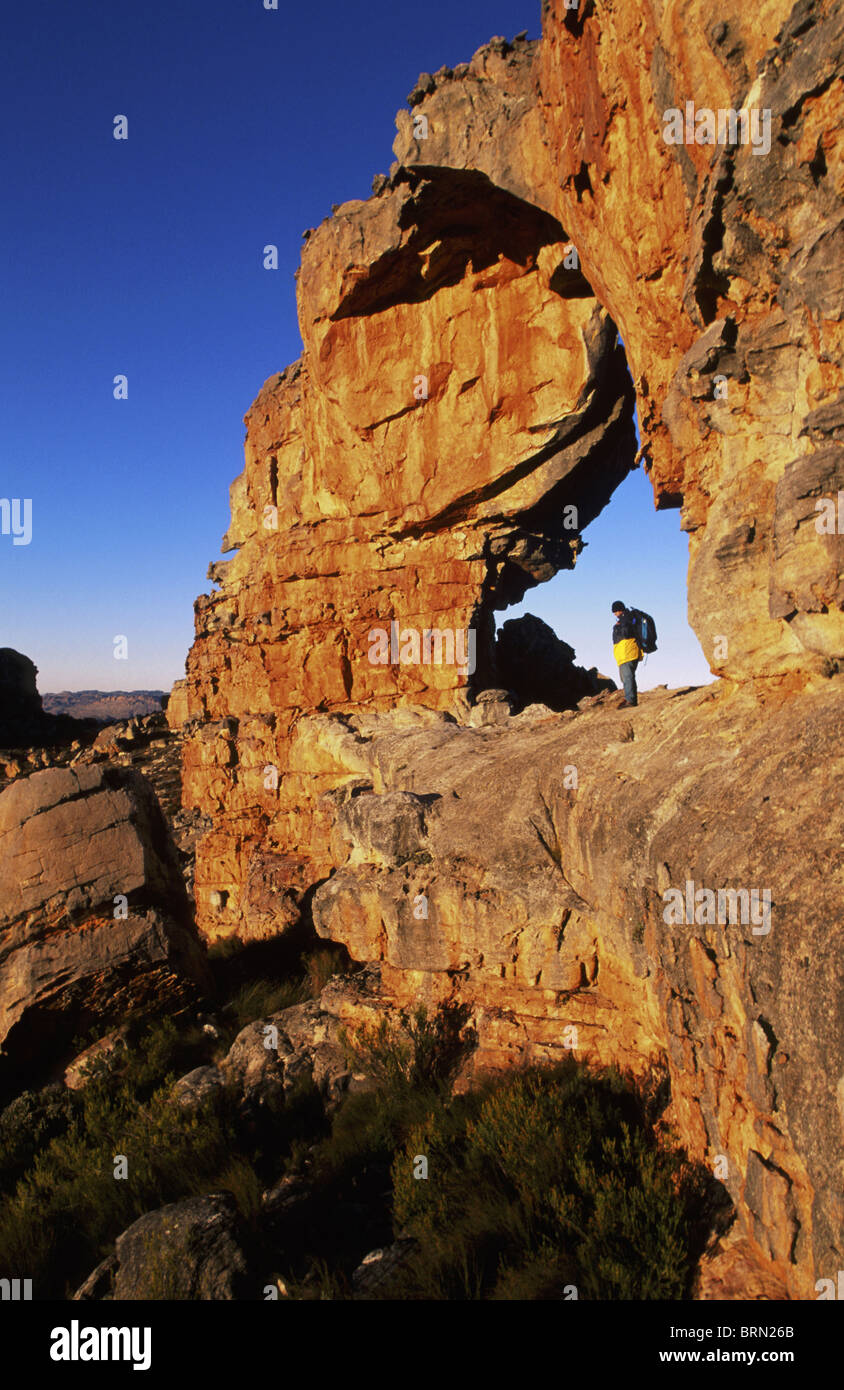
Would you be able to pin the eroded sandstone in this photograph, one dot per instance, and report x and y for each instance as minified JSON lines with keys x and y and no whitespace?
{"x":460,"y":412}
{"x":524,"y":870}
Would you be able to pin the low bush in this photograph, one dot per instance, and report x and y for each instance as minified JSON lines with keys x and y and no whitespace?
{"x":70,"y":1205}
{"x":321,"y":964}
{"x":539,"y":1183}
{"x":551,"y":1180}
{"x":27,"y":1124}
{"x":412,"y":1050}
{"x":260,"y":999}
{"x":64,"y":1210}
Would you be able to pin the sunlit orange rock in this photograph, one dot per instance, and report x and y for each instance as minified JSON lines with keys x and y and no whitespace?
{"x":461,"y":410}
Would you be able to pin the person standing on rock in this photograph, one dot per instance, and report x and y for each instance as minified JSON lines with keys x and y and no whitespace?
{"x":626,"y":651}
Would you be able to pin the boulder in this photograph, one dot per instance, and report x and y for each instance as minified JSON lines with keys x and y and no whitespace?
{"x":189,"y":1250}
{"x":271,"y":1056}
{"x":195,"y":1088}
{"x":76,"y":1073}
{"x":491,"y":707}
{"x":540,"y":669}
{"x":372,"y":1276}
{"x":94,"y":918}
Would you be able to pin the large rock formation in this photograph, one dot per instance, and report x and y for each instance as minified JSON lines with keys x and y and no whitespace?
{"x":726,"y":280}
{"x":461,"y":410}
{"x":94,"y":918}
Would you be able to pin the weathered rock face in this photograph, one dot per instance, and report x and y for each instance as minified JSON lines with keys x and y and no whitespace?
{"x":722,"y":266}
{"x":460,"y":412}
{"x":526,"y":870}
{"x":145,"y":744}
{"x":94,"y":919}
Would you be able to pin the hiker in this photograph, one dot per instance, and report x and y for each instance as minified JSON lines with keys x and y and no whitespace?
{"x":626,"y":650}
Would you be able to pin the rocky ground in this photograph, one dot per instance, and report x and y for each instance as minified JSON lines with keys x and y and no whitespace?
{"x":459,"y":840}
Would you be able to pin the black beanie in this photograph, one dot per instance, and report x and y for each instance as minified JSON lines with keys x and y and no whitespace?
{"x":618,"y":604}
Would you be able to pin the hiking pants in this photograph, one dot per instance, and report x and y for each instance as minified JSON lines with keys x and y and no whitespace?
{"x":628,"y":680}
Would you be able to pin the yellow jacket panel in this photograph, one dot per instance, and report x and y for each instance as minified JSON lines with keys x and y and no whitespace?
{"x":626,"y":650}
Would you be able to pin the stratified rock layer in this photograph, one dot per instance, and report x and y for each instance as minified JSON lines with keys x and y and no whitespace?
{"x":460,"y":412}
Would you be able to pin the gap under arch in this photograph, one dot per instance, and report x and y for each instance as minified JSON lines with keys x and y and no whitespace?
{"x":639,"y":555}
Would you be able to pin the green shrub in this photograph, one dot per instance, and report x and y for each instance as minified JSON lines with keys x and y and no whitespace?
{"x":68,"y":1207}
{"x":27,"y":1124}
{"x":410,"y":1059}
{"x":320,"y":965}
{"x":240,"y":1179}
{"x":411,"y":1049}
{"x":260,"y":999}
{"x":552,"y":1178}
{"x":537,"y":1181}
{"x":155,"y":1053}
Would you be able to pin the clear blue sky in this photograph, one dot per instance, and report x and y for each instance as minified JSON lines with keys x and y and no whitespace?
{"x":143,"y":257}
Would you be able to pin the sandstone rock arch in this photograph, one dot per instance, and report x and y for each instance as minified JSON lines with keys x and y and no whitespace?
{"x":455,"y":391}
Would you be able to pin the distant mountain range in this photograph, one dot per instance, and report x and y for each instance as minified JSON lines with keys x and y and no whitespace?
{"x":107,"y":706}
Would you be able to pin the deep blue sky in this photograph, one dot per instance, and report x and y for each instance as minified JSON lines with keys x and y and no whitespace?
{"x":144,"y":257}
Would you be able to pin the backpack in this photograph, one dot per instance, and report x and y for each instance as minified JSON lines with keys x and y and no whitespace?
{"x":645,"y":630}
